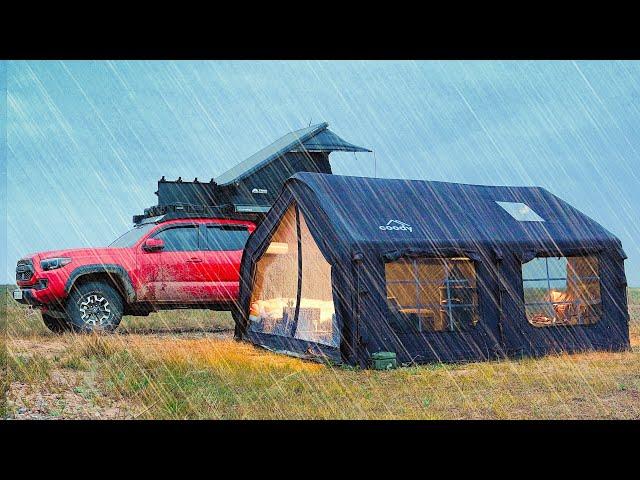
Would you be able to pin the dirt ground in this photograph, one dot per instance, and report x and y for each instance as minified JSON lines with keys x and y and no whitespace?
{"x":70,"y":393}
{"x":185,"y":365}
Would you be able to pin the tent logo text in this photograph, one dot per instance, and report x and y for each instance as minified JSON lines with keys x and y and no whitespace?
{"x":396,"y":225}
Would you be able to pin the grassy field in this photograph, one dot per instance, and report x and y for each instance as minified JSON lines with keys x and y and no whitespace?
{"x":184,"y":364}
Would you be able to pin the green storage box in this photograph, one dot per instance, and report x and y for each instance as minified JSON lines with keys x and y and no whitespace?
{"x":383,"y":360}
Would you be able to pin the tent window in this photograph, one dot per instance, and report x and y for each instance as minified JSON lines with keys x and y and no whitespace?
{"x":562,"y":291}
{"x":316,"y":316}
{"x":521,"y":211}
{"x":275,"y":289}
{"x":432,"y":294}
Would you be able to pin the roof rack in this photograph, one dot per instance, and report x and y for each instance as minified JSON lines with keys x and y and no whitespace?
{"x":163,"y":213}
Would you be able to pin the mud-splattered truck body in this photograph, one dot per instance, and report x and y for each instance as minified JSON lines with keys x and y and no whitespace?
{"x":184,"y":252}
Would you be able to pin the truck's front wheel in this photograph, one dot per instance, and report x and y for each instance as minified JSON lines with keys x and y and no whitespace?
{"x":94,"y":307}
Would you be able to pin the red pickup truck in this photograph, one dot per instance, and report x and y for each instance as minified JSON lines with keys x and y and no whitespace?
{"x":183,"y":263}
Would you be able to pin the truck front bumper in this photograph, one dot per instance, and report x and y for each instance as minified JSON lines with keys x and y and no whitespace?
{"x":26,"y":296}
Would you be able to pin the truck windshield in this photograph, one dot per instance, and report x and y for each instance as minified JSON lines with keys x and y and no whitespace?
{"x":130,"y":238}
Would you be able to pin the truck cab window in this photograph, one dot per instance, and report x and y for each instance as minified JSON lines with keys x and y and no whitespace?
{"x":179,"y":239}
{"x":225,"y":237}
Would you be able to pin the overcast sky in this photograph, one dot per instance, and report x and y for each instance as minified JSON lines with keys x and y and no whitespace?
{"x":87,"y":141}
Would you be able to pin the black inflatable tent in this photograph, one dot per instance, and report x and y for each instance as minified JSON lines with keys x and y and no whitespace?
{"x":343,"y":267}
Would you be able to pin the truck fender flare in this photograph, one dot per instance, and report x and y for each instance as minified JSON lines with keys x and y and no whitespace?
{"x":118,"y":274}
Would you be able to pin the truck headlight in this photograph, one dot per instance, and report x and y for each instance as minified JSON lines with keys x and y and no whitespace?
{"x":53,"y":263}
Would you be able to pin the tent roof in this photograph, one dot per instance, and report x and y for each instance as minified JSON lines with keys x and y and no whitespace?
{"x":443,"y":213}
{"x":316,"y":138}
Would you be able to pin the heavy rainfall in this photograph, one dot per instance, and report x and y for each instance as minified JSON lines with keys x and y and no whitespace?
{"x":87,"y":142}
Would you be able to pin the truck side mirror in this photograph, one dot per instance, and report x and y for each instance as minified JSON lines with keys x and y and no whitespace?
{"x":153,"y":245}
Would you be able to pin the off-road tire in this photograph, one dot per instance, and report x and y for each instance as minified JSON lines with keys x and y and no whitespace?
{"x":94,"y":307}
{"x":56,"y":324}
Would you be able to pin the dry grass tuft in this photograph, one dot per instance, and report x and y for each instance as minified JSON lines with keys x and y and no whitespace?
{"x":200,"y":373}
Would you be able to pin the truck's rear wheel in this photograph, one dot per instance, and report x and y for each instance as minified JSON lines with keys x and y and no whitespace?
{"x":94,"y":307}
{"x":56,"y":324}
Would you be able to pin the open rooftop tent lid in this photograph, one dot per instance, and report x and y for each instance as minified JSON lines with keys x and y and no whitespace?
{"x":327,"y":141}
{"x":315,"y":138}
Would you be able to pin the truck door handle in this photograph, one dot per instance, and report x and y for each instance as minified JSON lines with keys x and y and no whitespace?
{"x":194,"y":260}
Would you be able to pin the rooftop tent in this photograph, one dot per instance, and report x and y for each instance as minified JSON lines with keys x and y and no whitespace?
{"x":249,"y":189}
{"x":343,"y":267}
{"x":313,"y":139}
{"x":258,"y":179}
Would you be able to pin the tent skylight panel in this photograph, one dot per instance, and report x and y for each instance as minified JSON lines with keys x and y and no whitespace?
{"x":520,"y":211}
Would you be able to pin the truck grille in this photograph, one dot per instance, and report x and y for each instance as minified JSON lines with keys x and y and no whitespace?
{"x":24,"y":270}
